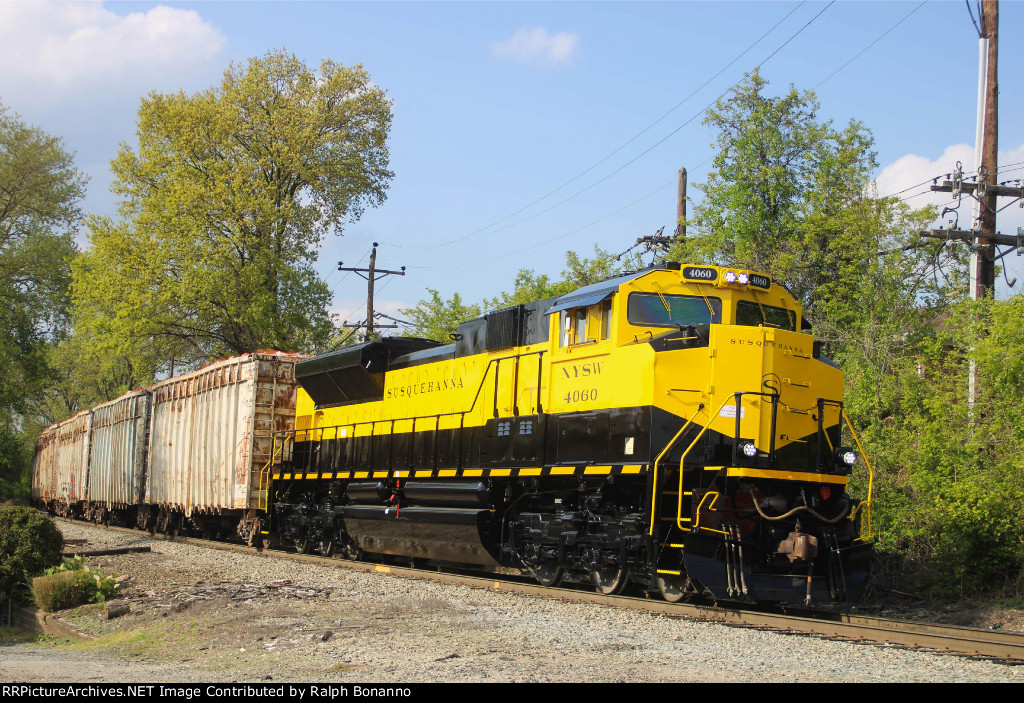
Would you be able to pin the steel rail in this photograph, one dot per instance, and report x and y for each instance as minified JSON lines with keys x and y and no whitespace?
{"x":1001,"y":645}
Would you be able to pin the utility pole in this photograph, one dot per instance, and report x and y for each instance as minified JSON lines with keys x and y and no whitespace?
{"x":983,"y":265}
{"x":984,"y":191}
{"x":371,"y":275}
{"x":983,"y":236}
{"x":659,"y":241}
{"x":681,"y":205}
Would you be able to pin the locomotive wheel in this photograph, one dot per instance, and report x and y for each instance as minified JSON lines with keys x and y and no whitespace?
{"x":610,"y":581}
{"x":326,"y":547}
{"x":302,"y":546}
{"x":672,"y":588}
{"x":549,"y":574}
{"x":351,"y":550}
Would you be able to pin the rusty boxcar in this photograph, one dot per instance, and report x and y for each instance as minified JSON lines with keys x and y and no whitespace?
{"x":211,"y":433}
{"x":61,"y":465}
{"x":117,"y":455}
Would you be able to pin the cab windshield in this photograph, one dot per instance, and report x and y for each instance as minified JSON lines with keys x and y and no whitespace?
{"x":654,"y":310}
{"x":754,"y":315}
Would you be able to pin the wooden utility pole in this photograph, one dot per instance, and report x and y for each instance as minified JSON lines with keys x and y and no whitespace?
{"x":371,"y":275}
{"x":981,"y":236}
{"x":681,"y":205}
{"x":983,"y":261}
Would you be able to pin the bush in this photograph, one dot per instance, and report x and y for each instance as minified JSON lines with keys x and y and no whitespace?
{"x":975,"y":540}
{"x":29,"y":544}
{"x":59,"y":591}
{"x":72,"y":583}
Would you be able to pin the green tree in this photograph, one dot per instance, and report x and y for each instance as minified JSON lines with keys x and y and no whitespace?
{"x":225,"y":201}
{"x":437,"y":318}
{"x":792,"y":196}
{"x":40,"y":192}
{"x":950,"y":477}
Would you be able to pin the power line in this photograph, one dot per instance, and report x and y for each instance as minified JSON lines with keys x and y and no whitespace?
{"x":553,"y":239}
{"x":880,"y":38}
{"x":348,"y":273}
{"x":661,"y":141}
{"x":648,"y":149}
{"x":632,"y":139}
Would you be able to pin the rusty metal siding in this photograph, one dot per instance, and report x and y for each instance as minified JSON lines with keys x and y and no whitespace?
{"x":44,"y":466}
{"x":61,"y":465}
{"x":117,"y":461}
{"x":210,"y":432}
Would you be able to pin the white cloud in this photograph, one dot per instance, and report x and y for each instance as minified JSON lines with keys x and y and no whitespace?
{"x":67,"y":44}
{"x":912,"y":170}
{"x":538,"y":46}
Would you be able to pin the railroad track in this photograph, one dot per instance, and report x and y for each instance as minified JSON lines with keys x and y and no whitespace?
{"x":998,"y":645}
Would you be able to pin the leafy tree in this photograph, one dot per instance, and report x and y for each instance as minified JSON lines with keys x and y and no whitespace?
{"x":950,"y":477}
{"x":225,"y":201}
{"x":437,"y":318}
{"x":40,"y":191}
{"x":792,"y":196}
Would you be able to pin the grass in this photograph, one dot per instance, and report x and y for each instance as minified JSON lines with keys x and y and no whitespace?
{"x":16,"y":635}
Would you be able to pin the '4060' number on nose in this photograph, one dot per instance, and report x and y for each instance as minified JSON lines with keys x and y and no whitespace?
{"x":583,"y":396}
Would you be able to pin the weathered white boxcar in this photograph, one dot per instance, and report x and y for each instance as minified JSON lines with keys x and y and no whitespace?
{"x":117,"y":454}
{"x":211,"y":433}
{"x":62,"y":464}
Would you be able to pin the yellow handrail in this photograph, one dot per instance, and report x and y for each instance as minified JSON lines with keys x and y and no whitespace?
{"x":871,"y":479}
{"x":714,"y":495}
{"x":265,"y":471}
{"x":679,"y":509}
{"x":654,"y":481}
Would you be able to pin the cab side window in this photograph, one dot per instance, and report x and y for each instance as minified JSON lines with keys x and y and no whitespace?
{"x":579,"y":326}
{"x":606,"y":319}
{"x":587,"y":324}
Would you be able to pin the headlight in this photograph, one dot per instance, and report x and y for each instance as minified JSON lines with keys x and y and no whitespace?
{"x":748,"y":449}
{"x":845,"y":459}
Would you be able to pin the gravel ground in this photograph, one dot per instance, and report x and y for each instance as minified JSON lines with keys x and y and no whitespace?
{"x":204,"y":615}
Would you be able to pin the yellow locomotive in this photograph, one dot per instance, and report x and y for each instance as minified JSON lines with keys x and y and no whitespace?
{"x":675,"y":427}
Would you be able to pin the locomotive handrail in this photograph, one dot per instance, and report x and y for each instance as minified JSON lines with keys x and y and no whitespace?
{"x":736,"y":399}
{"x":311,"y":432}
{"x":264,"y":489}
{"x":871,"y":478}
{"x":654,"y":481}
{"x":454,"y":412}
{"x":714,"y":495}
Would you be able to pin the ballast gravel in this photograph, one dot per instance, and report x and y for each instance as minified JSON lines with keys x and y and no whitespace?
{"x":207,"y":615}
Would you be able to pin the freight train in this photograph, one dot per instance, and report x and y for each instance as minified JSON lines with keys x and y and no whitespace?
{"x":676,"y":428}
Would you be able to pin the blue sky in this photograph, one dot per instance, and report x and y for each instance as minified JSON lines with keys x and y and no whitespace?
{"x":499,"y":104}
